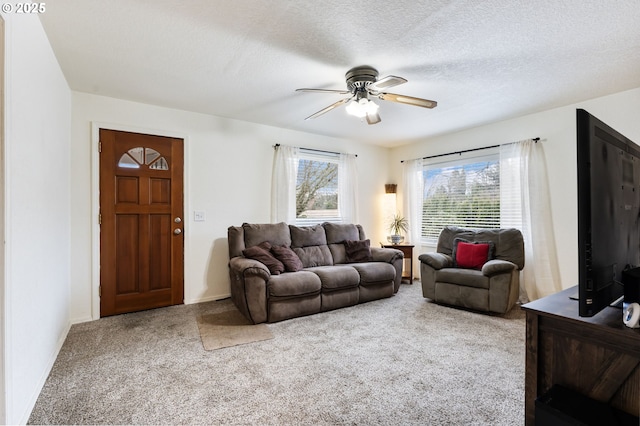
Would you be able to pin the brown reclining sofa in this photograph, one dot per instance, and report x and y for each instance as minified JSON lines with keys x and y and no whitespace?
{"x":334,"y":267}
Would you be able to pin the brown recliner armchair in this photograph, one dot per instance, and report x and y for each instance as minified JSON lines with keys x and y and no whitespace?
{"x":492,"y":285}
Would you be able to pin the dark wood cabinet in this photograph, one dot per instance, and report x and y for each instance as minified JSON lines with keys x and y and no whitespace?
{"x":598,"y":357}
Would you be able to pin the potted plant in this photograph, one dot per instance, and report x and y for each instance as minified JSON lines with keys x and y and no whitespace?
{"x":397,"y":226}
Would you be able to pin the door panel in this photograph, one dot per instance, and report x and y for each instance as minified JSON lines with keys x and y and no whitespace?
{"x":127,"y":189}
{"x":141,"y":194}
{"x":160,"y":192}
{"x":160,"y":252}
{"x":127,"y":250}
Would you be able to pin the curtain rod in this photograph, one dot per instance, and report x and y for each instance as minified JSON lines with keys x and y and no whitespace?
{"x":315,"y":150}
{"x":467,"y":150}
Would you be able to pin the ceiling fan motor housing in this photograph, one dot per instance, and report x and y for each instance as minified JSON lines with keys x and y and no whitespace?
{"x":359,"y":78}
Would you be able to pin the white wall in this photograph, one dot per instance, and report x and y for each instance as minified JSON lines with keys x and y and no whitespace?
{"x":227,"y":175}
{"x":49,"y":193}
{"x":557,"y":128}
{"x":37,"y":226}
{"x":228,"y":170}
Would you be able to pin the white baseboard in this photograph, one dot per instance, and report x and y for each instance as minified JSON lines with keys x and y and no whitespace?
{"x":207,"y":299}
{"x":80,"y":320}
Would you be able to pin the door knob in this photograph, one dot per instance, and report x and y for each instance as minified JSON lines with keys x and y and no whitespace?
{"x":177,"y":231}
{"x":177,"y":220}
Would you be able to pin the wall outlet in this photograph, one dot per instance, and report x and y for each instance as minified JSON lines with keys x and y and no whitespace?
{"x":198,"y":216}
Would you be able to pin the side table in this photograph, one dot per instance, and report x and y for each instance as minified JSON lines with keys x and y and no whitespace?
{"x":407,"y":250}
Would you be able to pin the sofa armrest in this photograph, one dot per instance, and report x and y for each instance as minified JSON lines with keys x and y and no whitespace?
{"x":497,"y":266}
{"x":436,"y":260}
{"x":248,"y":280}
{"x":388,"y":255}
{"x":245,"y":267}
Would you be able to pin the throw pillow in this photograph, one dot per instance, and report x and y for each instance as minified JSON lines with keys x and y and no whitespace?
{"x":358,"y":251}
{"x":472,"y":255}
{"x":490,"y":255}
{"x":262,"y":254}
{"x":288,"y":257}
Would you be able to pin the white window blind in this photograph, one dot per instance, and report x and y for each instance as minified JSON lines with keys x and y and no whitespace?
{"x":463,"y":192}
{"x":510,"y":192}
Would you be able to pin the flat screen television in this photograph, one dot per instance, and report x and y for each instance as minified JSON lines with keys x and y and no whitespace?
{"x":608,"y":213}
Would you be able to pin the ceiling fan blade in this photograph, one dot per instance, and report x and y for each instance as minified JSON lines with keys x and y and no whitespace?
{"x":373,"y":118}
{"x":385,"y":82}
{"x":409,"y":100}
{"x":329,"y":108}
{"x":342,"y":92}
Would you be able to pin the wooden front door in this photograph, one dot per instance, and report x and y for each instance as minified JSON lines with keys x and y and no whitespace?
{"x":141,"y":222}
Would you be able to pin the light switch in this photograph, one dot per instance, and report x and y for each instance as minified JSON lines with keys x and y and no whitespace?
{"x":198,"y":216}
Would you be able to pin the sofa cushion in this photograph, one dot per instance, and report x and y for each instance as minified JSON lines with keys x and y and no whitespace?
{"x":235,"y":237}
{"x":294,"y":284}
{"x":275,"y":233}
{"x":509,"y":244}
{"x":358,"y":250}
{"x":338,"y":253}
{"x":262,"y":254}
{"x":337,"y":276}
{"x":314,"y":256}
{"x":304,"y":236}
{"x":338,"y":233}
{"x":288,"y":257}
{"x":374,"y":272}
{"x":464,"y":277}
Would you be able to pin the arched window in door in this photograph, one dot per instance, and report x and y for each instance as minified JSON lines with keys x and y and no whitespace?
{"x":139,"y":156}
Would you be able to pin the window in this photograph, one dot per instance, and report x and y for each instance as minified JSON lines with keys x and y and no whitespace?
{"x":138,"y":156}
{"x":464,"y":192}
{"x":310,"y":186}
{"x":317,"y":188}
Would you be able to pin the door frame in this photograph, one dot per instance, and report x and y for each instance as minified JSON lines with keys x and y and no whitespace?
{"x":4,"y":388}
{"x":95,"y":202}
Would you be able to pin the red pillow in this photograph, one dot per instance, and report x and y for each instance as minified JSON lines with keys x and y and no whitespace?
{"x":472,"y":256}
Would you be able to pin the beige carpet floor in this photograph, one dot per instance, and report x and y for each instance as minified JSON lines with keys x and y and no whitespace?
{"x":230,"y":328}
{"x":401,"y":360}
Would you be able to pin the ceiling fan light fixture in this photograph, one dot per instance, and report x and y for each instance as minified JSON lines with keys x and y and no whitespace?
{"x":371,"y":107}
{"x":361,"y":108}
{"x":362,"y":83}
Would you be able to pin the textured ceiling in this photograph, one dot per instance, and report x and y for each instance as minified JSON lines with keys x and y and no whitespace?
{"x":483,"y":61}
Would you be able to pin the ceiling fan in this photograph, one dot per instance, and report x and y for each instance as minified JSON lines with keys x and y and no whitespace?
{"x":363,"y":84}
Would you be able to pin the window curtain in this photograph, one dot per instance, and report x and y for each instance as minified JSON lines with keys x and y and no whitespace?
{"x":348,"y":188}
{"x":412,"y":196}
{"x":525,"y":197}
{"x":283,"y":184}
